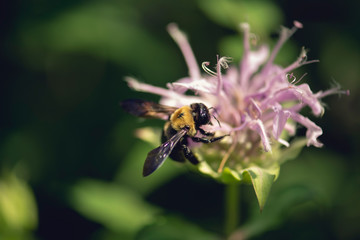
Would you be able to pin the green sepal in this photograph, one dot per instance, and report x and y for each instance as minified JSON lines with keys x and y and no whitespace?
{"x":229,"y":176}
{"x":262,"y":180}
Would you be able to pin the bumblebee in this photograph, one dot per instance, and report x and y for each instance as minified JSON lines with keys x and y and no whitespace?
{"x":183,"y":123}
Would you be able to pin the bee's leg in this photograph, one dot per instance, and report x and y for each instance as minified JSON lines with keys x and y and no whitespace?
{"x":206,"y":140}
{"x":178,"y":154}
{"x":203,"y":132}
{"x":190,"y":155}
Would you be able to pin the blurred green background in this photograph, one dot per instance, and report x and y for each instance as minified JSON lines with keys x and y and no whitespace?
{"x":70,"y":165}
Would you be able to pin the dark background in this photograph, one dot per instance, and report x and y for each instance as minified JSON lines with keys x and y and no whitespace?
{"x":62,"y":70}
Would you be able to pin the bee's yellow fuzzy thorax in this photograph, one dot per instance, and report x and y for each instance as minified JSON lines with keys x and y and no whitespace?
{"x":181,"y":118}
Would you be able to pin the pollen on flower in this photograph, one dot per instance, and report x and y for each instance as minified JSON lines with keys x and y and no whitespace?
{"x":257,"y":103}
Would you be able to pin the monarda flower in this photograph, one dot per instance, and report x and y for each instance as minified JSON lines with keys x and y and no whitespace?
{"x":257,"y":102}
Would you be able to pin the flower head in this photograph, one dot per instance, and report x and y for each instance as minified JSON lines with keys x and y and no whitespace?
{"x":257,"y":102}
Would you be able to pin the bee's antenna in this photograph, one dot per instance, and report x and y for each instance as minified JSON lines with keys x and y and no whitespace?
{"x":214,"y":115}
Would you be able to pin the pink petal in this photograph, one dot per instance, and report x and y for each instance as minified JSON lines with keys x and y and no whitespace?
{"x":279,"y":121}
{"x":310,"y":99}
{"x":313,"y":131}
{"x":250,"y":64}
{"x":258,"y":126}
{"x":143,"y":87}
{"x":181,"y":39}
{"x":199,"y":85}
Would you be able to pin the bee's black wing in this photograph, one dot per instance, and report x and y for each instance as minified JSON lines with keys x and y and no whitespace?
{"x":156,"y":157}
{"x":147,"y":109}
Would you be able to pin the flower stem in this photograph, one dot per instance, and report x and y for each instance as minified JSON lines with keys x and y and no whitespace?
{"x":232,"y":197}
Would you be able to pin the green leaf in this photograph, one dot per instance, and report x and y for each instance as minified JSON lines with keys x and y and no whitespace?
{"x":116,"y":207}
{"x":18,"y":210}
{"x":262,"y":181}
{"x":232,"y":46}
{"x":174,"y":228}
{"x":130,"y":172}
{"x":263,"y":16}
{"x":108,"y":30}
{"x":278,"y":207}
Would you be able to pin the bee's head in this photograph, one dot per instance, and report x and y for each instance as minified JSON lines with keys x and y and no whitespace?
{"x":201,"y":114}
